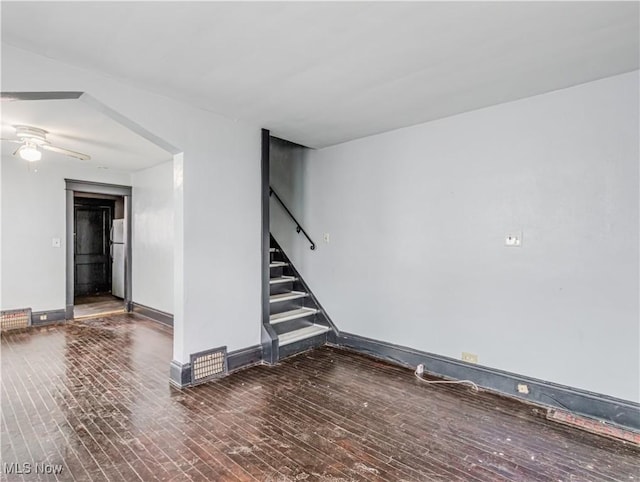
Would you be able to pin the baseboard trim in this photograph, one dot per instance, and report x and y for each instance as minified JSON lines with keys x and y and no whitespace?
{"x":155,"y":315}
{"x":270,"y":344}
{"x":620,"y":412}
{"x":51,"y":316}
{"x":180,"y":373}
{"x":239,"y":359}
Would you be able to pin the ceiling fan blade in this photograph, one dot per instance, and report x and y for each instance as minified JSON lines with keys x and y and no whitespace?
{"x":15,"y":153}
{"x":67,"y":152}
{"x":15,"y":141}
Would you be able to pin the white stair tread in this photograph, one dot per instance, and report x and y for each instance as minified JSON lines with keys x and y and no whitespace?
{"x":282,"y":279}
{"x":273,"y":250}
{"x":301,"y":334}
{"x":278,"y":264}
{"x":291,"y":295}
{"x":291,"y":315}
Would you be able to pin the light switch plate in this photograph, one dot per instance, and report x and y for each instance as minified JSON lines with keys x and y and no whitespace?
{"x":55,"y":242}
{"x":513,"y":240}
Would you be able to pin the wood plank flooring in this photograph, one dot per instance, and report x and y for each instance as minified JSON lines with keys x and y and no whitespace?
{"x":96,"y":305}
{"x":93,"y":396}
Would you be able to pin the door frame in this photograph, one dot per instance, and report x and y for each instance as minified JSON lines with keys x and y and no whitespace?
{"x":72,"y":186}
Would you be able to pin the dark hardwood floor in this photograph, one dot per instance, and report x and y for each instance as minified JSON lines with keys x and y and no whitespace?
{"x":93,"y":396}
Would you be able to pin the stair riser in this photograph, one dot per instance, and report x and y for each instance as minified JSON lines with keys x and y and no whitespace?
{"x":276,"y":272}
{"x":291,"y":325}
{"x":278,"y":288}
{"x":303,"y":345}
{"x":282,"y":306}
{"x":298,"y":286}
{"x":275,"y":257}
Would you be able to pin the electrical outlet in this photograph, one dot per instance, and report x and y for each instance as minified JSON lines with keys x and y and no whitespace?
{"x":469,"y":357}
{"x":523,"y":388}
{"x":43,"y":317}
{"x":420,"y":369}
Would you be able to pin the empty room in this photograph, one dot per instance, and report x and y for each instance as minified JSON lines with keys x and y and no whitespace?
{"x":320,"y":241}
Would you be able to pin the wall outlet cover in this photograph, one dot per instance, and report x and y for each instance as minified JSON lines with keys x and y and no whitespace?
{"x":469,"y":357}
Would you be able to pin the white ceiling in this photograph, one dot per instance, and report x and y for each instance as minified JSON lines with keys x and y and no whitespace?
{"x":325,"y":72}
{"x":75,"y":125}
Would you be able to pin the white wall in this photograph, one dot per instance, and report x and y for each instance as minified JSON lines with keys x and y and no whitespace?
{"x":418,"y":216}
{"x":287,"y":176}
{"x":216,"y":200}
{"x":33,"y":213}
{"x":152,"y":238}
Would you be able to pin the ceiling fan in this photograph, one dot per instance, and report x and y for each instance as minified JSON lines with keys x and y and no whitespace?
{"x":33,"y":140}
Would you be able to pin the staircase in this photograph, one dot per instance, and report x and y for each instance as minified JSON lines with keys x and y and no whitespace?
{"x":295,"y":315}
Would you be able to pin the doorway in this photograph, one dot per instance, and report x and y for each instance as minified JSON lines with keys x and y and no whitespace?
{"x":98,"y":257}
{"x":98,"y":254}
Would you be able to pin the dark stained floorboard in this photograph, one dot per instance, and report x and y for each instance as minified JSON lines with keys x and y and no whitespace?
{"x":93,"y":395}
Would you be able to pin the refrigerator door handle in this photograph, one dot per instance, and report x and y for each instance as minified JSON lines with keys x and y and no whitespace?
{"x":111,"y":234}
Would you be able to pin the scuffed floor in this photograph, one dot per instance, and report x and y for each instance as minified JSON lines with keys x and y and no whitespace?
{"x":91,"y":400}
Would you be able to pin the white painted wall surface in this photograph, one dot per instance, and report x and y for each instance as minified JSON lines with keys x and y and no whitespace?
{"x":418,"y":216}
{"x":33,"y":213}
{"x":216,"y":200}
{"x":288,"y":177}
{"x":152,"y":239}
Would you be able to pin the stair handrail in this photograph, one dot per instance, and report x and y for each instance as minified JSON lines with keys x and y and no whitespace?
{"x":299,"y":228}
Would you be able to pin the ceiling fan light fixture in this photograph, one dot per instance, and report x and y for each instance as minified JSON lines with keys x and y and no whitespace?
{"x":30,"y":152}
{"x":33,"y":141}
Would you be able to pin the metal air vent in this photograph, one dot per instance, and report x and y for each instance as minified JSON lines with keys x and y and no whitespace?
{"x":209,"y":364}
{"x":15,"y":319}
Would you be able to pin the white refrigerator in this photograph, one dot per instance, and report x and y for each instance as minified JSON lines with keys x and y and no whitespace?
{"x":117,"y":258}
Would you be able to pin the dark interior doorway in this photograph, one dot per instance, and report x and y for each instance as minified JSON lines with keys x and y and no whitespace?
{"x":98,"y":249}
{"x":92,"y":223}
